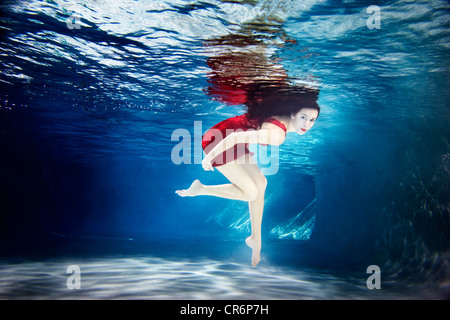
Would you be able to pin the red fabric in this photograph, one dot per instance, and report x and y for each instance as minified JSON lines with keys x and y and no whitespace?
{"x":225,"y":90}
{"x":219,"y":131}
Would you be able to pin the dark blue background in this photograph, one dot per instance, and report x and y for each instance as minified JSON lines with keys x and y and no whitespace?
{"x":83,"y":166}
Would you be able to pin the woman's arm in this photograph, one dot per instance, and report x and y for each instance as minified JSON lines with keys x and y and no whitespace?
{"x":270,"y":136}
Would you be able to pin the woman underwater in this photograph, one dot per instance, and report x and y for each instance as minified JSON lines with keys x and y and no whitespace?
{"x":271,"y":113}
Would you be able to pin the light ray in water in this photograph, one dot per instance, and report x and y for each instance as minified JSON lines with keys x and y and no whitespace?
{"x":300,"y":227}
{"x":161,"y":278}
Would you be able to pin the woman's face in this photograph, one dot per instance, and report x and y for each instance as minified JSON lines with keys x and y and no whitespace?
{"x":304,"y":120}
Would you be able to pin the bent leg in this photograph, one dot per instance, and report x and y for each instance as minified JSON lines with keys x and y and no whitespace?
{"x":247,"y":184}
{"x":242,"y":186}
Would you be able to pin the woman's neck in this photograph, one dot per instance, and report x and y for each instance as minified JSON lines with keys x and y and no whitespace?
{"x":286,"y":120}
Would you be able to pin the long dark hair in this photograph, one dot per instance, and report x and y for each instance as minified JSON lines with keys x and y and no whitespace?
{"x":267,"y":100}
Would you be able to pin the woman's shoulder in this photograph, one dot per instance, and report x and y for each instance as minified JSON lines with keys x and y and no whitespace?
{"x":273,"y":123}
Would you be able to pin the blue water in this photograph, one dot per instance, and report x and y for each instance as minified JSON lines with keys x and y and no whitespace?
{"x":92,"y":91}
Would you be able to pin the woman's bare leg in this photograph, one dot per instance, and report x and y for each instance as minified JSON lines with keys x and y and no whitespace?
{"x":247,"y":184}
{"x":256,"y":208}
{"x":242,"y":186}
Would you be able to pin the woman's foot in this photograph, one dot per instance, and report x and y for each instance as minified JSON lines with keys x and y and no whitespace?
{"x":193,"y":190}
{"x":255,"y":245}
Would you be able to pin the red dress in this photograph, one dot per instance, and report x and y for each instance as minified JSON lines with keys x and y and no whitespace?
{"x":218,"y":132}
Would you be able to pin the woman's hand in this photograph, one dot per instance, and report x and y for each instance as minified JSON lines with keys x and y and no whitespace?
{"x":207,"y":165}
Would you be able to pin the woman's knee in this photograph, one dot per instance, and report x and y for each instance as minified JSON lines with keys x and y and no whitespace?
{"x":254,"y":190}
{"x":262,"y":183}
{"x":251,"y":192}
